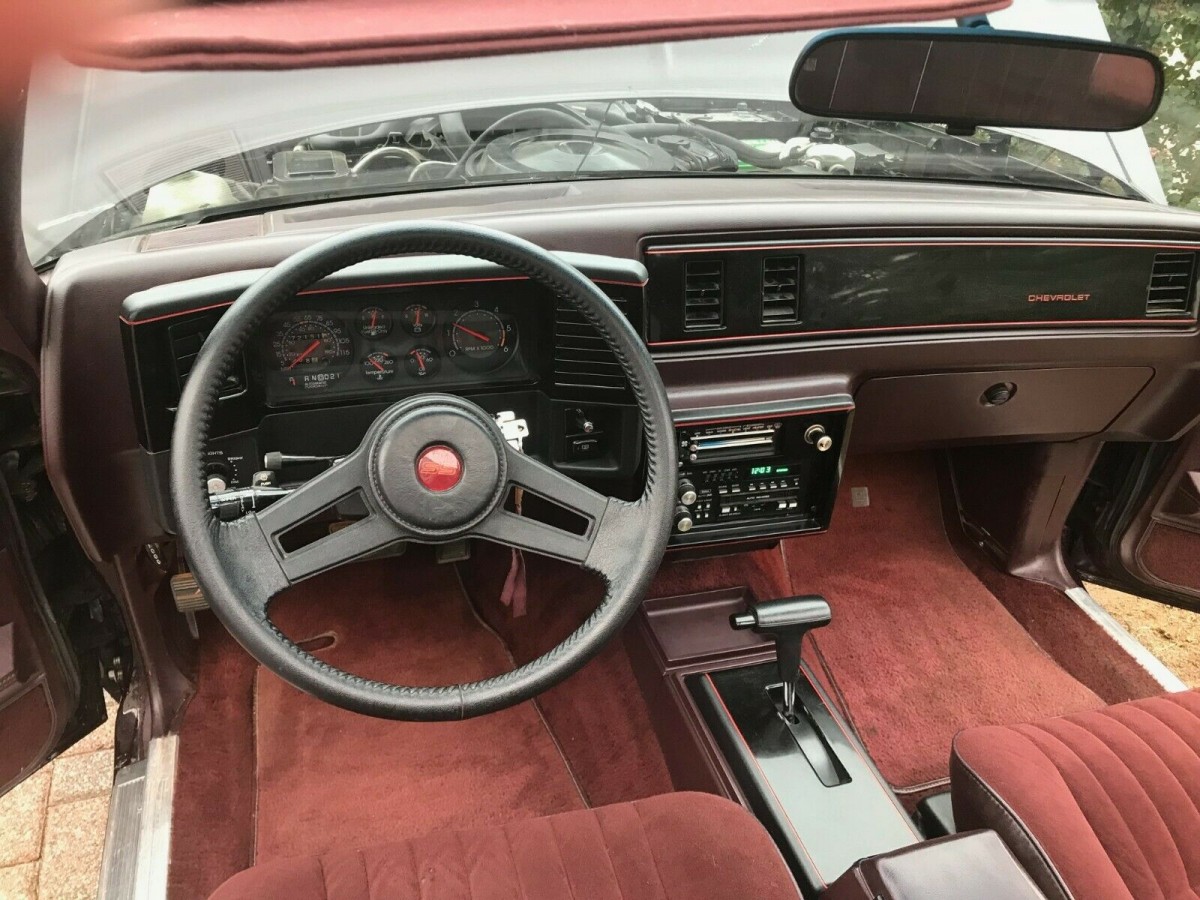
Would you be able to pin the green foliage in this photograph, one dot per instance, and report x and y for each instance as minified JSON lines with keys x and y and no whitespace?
{"x":1171,"y":29}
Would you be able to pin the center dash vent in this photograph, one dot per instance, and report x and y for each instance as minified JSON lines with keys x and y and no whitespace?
{"x":703,"y":294}
{"x":780,"y":290}
{"x":1171,"y":279}
{"x":582,"y":359}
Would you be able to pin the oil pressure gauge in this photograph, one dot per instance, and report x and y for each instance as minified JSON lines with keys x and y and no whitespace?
{"x":422,"y":362}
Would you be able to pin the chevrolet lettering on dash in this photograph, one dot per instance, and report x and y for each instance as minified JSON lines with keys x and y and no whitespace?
{"x":1059,"y":298}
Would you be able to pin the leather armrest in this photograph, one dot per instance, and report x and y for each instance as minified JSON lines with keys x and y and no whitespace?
{"x":971,"y":866}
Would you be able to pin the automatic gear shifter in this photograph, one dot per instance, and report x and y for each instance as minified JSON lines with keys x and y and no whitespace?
{"x":787,"y":620}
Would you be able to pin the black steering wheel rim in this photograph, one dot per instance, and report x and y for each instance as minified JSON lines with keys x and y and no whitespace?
{"x":240,"y":567}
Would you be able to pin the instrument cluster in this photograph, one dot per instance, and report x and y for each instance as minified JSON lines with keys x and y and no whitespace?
{"x":365,"y":343}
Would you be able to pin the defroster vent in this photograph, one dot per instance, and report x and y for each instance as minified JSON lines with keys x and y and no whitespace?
{"x":703,"y":294}
{"x":780,"y":290}
{"x":1171,"y":284}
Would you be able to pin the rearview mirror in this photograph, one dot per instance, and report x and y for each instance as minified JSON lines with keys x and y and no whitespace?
{"x":967,"y":77}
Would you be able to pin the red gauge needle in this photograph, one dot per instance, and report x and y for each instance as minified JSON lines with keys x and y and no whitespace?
{"x":421,"y":363}
{"x":473,"y":333}
{"x":417,"y":317}
{"x":376,"y":363}
{"x":305,"y":353}
{"x":374,"y":317}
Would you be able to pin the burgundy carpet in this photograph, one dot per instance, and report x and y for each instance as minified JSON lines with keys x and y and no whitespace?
{"x":598,"y":715}
{"x":213,"y":815}
{"x":918,"y":648}
{"x":329,"y":778}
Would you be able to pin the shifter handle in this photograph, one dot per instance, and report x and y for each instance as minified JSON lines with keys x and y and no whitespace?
{"x":772,"y":616}
{"x":787,"y":620}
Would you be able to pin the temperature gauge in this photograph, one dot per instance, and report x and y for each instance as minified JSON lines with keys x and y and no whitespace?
{"x":421,"y":362}
{"x":379,"y":366}
{"x":374,"y":322}
{"x":418,"y":319}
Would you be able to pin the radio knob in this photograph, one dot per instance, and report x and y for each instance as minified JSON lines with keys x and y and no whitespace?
{"x":816,"y":436}
{"x":687,"y":492}
{"x":683,"y":519}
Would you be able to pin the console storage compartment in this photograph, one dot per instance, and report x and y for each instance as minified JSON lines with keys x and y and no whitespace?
{"x":971,"y":866}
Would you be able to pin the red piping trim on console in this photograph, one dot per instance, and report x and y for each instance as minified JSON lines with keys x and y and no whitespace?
{"x":948,"y":242}
{"x":782,"y":415}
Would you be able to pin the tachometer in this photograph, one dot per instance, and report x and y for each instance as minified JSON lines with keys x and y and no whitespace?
{"x":313,"y":349}
{"x":480,"y":339}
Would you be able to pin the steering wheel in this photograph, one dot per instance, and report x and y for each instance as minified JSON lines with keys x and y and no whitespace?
{"x":432,"y":468}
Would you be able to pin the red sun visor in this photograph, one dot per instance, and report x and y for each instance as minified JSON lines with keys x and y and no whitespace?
{"x":289,"y":34}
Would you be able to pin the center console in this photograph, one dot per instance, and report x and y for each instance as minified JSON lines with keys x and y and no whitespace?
{"x":764,"y":472}
{"x":739,"y":715}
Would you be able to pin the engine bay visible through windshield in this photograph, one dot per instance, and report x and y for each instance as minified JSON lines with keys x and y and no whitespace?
{"x":159,"y":151}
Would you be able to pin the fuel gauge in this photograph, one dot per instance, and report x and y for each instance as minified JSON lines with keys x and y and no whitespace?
{"x":422,"y":362}
{"x":374,"y":322}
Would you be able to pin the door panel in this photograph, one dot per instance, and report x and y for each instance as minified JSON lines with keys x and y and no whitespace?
{"x":1171,"y":556}
{"x":1137,"y":525}
{"x":39,"y":680}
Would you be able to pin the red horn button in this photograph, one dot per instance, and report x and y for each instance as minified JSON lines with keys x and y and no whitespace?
{"x":439,"y":468}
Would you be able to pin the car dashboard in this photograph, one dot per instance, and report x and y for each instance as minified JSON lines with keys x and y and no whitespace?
{"x":789,"y":330}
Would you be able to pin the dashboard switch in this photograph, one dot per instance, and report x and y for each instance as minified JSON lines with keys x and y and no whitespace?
{"x":583,"y":447}
{"x":683,"y":520}
{"x":582,"y":422}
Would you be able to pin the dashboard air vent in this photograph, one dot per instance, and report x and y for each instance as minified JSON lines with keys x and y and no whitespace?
{"x":1171,"y":279}
{"x":703,"y":298}
{"x":780,"y":291}
{"x":581,"y":357}
{"x":186,"y":339}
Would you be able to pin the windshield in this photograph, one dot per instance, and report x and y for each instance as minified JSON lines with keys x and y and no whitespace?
{"x":113,"y":153}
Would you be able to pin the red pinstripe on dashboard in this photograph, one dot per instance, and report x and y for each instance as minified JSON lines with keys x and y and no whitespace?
{"x":371,"y":287}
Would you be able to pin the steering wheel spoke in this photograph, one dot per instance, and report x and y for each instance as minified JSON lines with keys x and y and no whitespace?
{"x":592,"y":512}
{"x":344,"y":481}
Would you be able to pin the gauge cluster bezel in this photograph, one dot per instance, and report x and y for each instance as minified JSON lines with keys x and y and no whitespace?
{"x":150,"y":318}
{"x":394,"y":341}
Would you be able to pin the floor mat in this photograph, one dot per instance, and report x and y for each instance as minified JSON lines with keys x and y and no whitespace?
{"x":329,"y":778}
{"x":598,"y":715}
{"x":918,"y":648}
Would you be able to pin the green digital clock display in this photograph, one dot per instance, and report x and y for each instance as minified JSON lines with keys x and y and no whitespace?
{"x":769,"y":470}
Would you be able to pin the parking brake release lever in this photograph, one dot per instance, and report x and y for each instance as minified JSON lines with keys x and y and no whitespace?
{"x":787,"y":620}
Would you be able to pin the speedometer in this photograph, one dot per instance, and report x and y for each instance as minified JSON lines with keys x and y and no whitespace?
{"x":311,"y":349}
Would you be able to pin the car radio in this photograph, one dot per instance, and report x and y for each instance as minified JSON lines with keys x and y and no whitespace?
{"x":759,"y":476}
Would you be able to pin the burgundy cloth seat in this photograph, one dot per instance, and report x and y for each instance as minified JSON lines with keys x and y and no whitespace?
{"x":671,"y":847}
{"x":1097,"y":806}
